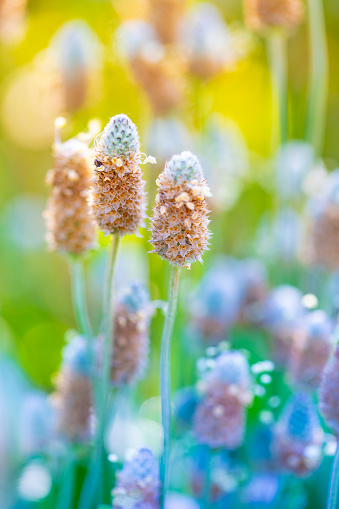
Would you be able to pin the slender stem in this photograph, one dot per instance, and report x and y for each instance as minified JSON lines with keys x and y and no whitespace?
{"x":333,"y":494}
{"x":94,"y":474}
{"x":318,"y":86}
{"x":165,"y":380}
{"x":79,"y":298}
{"x":108,"y":321}
{"x":277,"y":45}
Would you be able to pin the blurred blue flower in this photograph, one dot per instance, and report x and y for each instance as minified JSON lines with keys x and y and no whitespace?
{"x":137,"y":484}
{"x":37,"y":423}
{"x":263,"y":490}
{"x":185,"y":402}
{"x":293,"y":162}
{"x":224,"y":157}
{"x":298,"y":436}
{"x":166,"y":136}
{"x":76,"y":356}
{"x":179,"y":501}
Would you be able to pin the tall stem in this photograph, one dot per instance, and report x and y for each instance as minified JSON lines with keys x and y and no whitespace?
{"x":108,"y":321}
{"x":333,"y":494}
{"x":318,"y":86}
{"x":277,"y":45}
{"x":94,"y":475}
{"x":79,"y":298}
{"x":165,"y":380}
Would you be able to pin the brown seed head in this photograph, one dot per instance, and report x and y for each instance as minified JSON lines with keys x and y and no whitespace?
{"x":165,"y":16}
{"x":219,"y":420}
{"x":119,"y":199}
{"x":324,"y":235}
{"x":69,"y":223}
{"x":73,"y":398}
{"x":160,"y":79}
{"x":180,"y":221}
{"x":262,"y":14}
{"x":131,"y":336}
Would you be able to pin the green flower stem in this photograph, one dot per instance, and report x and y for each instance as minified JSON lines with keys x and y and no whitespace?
{"x":318,"y":81}
{"x":95,"y":471}
{"x":79,"y":297}
{"x":277,"y":46}
{"x":66,"y":493}
{"x":165,"y":380}
{"x":108,"y":321}
{"x":333,"y":494}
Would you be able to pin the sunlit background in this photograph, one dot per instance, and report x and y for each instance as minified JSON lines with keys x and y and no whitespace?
{"x":72,"y":58}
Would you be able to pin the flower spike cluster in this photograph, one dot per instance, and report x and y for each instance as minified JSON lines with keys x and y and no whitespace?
{"x":131,"y":335}
{"x":310,"y":350}
{"x":329,"y":392}
{"x":119,"y":199}
{"x":261,"y":14}
{"x":69,"y":224}
{"x":73,"y":398}
{"x":219,"y":419}
{"x":138,"y":482}
{"x":299,"y":437}
{"x":180,"y":222}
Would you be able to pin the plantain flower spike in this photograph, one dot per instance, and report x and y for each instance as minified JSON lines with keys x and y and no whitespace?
{"x":298,"y":438}
{"x":180,"y":221}
{"x":219,"y":418}
{"x":131,"y":335}
{"x":263,"y":14}
{"x":310,"y":350}
{"x":73,"y":399}
{"x":329,"y":393}
{"x":69,"y":223}
{"x":165,"y":16}
{"x":119,"y":199}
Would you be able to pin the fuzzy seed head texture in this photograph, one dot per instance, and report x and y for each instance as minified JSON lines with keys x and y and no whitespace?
{"x":138,"y":483}
{"x":131,"y":335}
{"x":180,"y":219}
{"x":298,"y":438}
{"x":329,"y":393}
{"x":263,"y":14}
{"x":311,"y":347}
{"x":119,"y":199}
{"x":73,"y":399}
{"x":219,"y":418}
{"x":70,"y":227}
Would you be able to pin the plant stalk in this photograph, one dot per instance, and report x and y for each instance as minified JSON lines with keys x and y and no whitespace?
{"x":94,"y":474}
{"x":277,"y":46}
{"x":165,"y":380}
{"x":333,"y":494}
{"x":318,"y":79}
